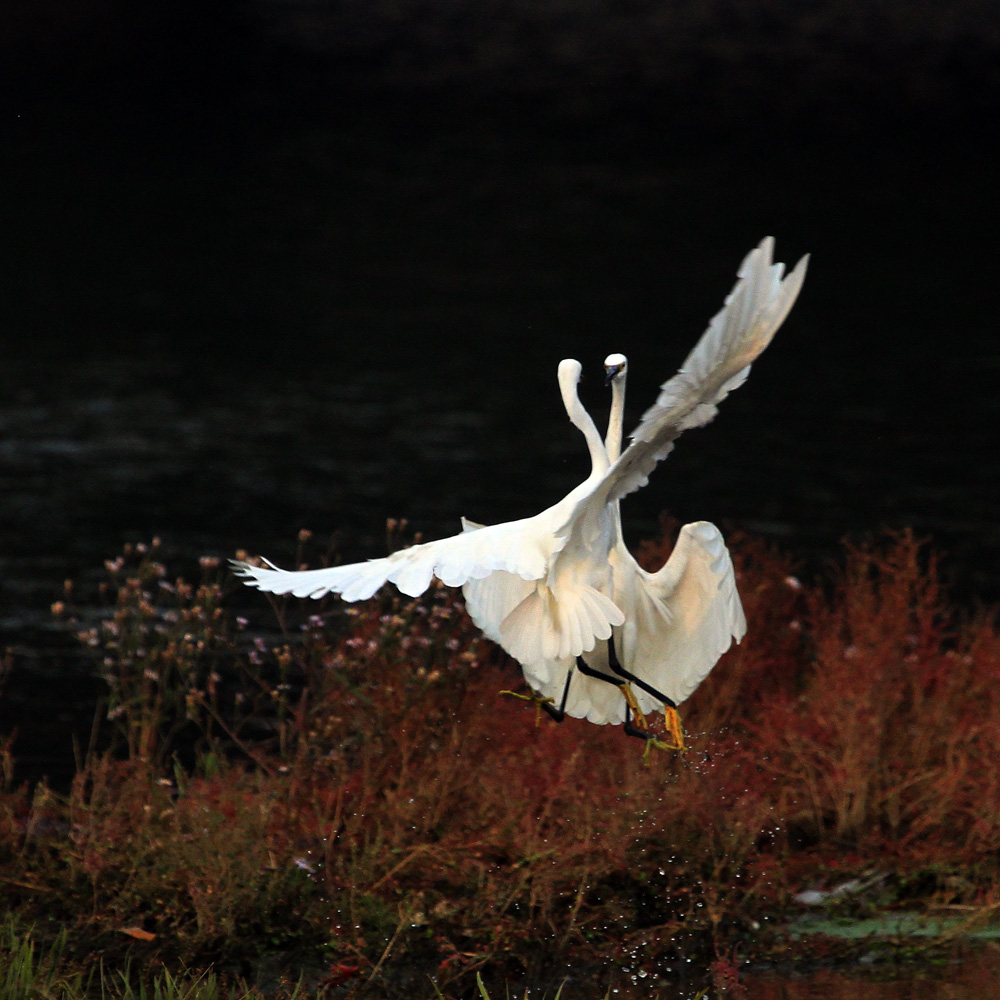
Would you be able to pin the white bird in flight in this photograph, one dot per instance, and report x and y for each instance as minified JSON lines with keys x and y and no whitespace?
{"x":678,"y":622}
{"x":559,"y":591}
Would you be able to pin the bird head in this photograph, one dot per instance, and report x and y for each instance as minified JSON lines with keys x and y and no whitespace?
{"x":614,"y":367}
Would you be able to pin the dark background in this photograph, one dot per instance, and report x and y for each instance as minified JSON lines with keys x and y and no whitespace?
{"x":275,"y":265}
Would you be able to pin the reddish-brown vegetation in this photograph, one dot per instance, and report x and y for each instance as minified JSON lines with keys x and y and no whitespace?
{"x":355,"y":793}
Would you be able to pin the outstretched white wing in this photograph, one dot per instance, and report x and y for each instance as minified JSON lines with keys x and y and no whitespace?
{"x":520,"y":548}
{"x":681,"y":619}
{"x":719,"y":363}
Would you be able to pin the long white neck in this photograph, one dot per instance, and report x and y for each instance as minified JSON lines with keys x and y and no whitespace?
{"x":613,"y":440}
{"x":569,"y":376}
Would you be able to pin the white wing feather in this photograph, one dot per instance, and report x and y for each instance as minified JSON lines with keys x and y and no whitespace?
{"x":516,"y":547}
{"x":680,"y":620}
{"x":534,"y":622}
{"x":719,"y":363}
{"x":491,"y":598}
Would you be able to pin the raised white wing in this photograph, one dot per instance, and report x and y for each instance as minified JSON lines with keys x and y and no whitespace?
{"x":681,"y":619}
{"x":520,"y":548}
{"x":719,"y":363}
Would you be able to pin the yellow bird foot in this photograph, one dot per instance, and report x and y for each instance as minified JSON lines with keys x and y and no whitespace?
{"x":654,"y":744}
{"x":675,"y":733}
{"x":536,"y":699}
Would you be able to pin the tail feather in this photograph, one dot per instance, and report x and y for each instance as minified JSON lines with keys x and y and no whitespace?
{"x":543,"y":627}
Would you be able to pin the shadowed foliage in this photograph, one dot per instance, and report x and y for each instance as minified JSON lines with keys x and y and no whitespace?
{"x":344,"y":794}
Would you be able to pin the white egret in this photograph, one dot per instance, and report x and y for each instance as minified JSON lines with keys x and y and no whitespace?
{"x":678,"y":621}
{"x":554,"y":587}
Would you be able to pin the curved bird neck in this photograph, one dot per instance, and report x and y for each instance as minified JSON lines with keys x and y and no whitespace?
{"x":569,"y":376}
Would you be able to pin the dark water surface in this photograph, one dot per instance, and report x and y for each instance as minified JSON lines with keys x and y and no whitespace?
{"x":973,"y":977}
{"x":968,"y":973}
{"x":321,"y":326}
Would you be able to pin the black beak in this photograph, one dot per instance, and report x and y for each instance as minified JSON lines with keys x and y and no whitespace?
{"x":610,"y":371}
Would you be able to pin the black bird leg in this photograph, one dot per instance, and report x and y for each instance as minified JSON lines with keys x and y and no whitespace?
{"x":670,"y":716}
{"x":585,"y":668}
{"x":621,"y":679}
{"x":631,"y":729}
{"x":630,"y":703}
{"x":581,"y":664}
{"x":559,"y":713}
{"x":616,"y":666}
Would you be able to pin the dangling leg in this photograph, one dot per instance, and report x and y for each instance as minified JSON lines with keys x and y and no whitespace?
{"x":670,"y":716}
{"x":621,"y":678}
{"x":615,"y":664}
{"x":546,"y":703}
{"x":631,"y":705}
{"x":643,"y":733}
{"x":586,"y":668}
{"x":559,"y":713}
{"x":642,"y":730}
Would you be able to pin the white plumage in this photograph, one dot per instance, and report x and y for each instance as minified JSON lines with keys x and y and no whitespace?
{"x":556,"y":586}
